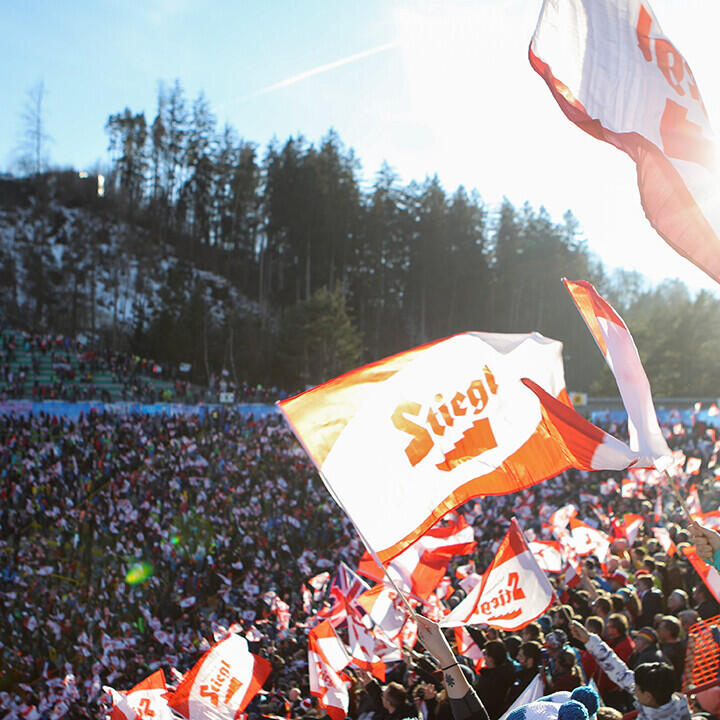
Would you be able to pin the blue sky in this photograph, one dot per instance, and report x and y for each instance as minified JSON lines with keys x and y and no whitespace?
{"x":432,"y":87}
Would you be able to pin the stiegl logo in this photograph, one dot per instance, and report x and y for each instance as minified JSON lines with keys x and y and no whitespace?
{"x":212,"y":690}
{"x":474,"y":434}
{"x":505,"y":596}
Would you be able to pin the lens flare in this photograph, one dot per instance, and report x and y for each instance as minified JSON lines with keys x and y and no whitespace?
{"x":139,"y":573}
{"x":175,"y":539}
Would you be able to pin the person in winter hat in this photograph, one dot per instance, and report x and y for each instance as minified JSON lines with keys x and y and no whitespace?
{"x":651,"y":684}
{"x":581,"y":704}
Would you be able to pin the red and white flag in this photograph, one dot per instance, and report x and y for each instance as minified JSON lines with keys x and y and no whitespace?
{"x":709,"y":519}
{"x":404,"y":440}
{"x":548,"y":555}
{"x":325,"y":684}
{"x":588,"y":541}
{"x":584,"y":445}
{"x":692,"y":501}
{"x":222,"y":683}
{"x":385,"y":610}
{"x":560,"y":519}
{"x":468,"y":648}
{"x":329,"y":646}
{"x":618,"y":348}
{"x":617,"y":77}
{"x":708,"y":573}
{"x":282,"y":613}
{"x":368,"y":650}
{"x":514,"y":590}
{"x":630,"y":527}
{"x":147,"y":699}
{"x":666,"y":542}
{"x":419,"y":569}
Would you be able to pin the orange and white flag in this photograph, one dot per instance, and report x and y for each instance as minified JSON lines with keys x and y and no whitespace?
{"x":616,"y":76}
{"x":419,"y":569}
{"x":584,"y":445}
{"x":588,"y":541}
{"x":385,"y":610}
{"x":369,"y":649}
{"x":630,"y":526}
{"x":329,"y":646}
{"x":402,"y":441}
{"x":710,"y":576}
{"x":618,"y":348}
{"x":325,"y":683}
{"x":666,"y":542}
{"x":147,"y":699}
{"x":548,"y":555}
{"x":222,"y":683}
{"x":514,"y":591}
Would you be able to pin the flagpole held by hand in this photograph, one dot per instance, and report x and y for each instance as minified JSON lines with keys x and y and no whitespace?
{"x":678,"y":496}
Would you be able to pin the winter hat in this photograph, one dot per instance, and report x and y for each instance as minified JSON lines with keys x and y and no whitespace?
{"x":581,"y":704}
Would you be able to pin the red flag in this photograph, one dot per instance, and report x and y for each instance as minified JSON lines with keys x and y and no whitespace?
{"x":616,"y":76}
{"x":385,"y":610}
{"x":548,"y":555}
{"x":329,"y":646}
{"x":663,"y":537}
{"x":588,"y":541}
{"x":467,"y":647}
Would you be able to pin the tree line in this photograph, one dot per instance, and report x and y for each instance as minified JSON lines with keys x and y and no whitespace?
{"x":333,"y":271}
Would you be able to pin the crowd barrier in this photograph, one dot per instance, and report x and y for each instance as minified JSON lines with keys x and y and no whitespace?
{"x":664,"y":416}
{"x":70,"y":410}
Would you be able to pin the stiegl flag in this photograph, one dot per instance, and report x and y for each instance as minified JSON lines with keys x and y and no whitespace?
{"x":401,"y":442}
{"x":616,"y":76}
{"x":146,"y":699}
{"x":222,"y":683}
{"x":514,"y":591}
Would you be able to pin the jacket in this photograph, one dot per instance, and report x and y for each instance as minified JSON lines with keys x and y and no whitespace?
{"x":676,"y":709}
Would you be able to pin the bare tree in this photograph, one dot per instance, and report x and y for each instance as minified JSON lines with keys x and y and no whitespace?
{"x":33,"y":148}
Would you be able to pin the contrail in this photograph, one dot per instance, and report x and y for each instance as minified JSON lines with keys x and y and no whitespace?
{"x":323,"y":68}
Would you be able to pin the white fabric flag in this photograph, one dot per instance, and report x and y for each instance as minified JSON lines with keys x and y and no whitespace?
{"x":514,"y":591}
{"x":534,"y":691}
{"x":401,"y":442}
{"x":616,"y":75}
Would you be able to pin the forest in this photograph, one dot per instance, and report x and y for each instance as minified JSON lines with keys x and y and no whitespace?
{"x":324,"y":270}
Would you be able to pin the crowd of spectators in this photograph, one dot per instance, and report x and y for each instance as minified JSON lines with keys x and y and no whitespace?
{"x":127,"y":541}
{"x":63,"y":368}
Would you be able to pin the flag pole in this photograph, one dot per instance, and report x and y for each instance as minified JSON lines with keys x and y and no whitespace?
{"x":678,"y":496}
{"x":372,"y":552}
